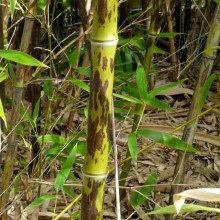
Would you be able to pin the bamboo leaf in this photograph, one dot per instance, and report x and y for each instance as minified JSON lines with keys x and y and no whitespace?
{"x":141,"y":82}
{"x":217,"y":1}
{"x":21,"y":58}
{"x":12,"y":7}
{"x":207,"y":86}
{"x":131,"y":91}
{"x":146,"y":191}
{"x":126,"y":111}
{"x":128,"y":59}
{"x":128,"y":98}
{"x":79,"y":83}
{"x":138,"y":198}
{"x":36,"y":110}
{"x":123,"y":41}
{"x":168,"y":34}
{"x":40,"y":201}
{"x":2,"y":113}
{"x":132,"y":145}
{"x":73,"y":57}
{"x":185,"y":208}
{"x":4,"y":75}
{"x":51,"y":138}
{"x":204,"y":194}
{"x":158,"y":50}
{"x":53,"y":150}
{"x":167,"y":140}
{"x":138,"y":42}
{"x":160,"y":89}
{"x":65,"y":170}
{"x":157,"y":103}
{"x":48,"y":88}
{"x":41,"y":4}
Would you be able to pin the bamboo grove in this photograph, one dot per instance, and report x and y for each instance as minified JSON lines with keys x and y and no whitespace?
{"x":92,"y":88}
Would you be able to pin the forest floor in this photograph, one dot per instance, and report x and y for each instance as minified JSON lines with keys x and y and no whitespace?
{"x":202,"y":170}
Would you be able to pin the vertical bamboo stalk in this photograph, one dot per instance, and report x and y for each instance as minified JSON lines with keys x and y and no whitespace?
{"x":2,"y":84}
{"x":197,"y":101}
{"x":17,"y":97}
{"x":103,"y":46}
{"x":152,"y":34}
{"x":173,"y":57}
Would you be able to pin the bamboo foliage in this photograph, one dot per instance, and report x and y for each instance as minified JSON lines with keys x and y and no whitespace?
{"x":208,"y":58}
{"x":140,"y":107}
{"x":17,"y":97}
{"x":103,"y":47}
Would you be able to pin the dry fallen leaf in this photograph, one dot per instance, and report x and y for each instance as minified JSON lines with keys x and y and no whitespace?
{"x":203,"y":194}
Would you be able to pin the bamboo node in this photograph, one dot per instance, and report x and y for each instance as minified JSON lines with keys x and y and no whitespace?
{"x":152,"y":35}
{"x":104,"y":44}
{"x":93,"y":176}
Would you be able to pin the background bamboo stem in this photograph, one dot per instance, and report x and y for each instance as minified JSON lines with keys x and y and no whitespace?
{"x":198,"y":100}
{"x":17,"y":97}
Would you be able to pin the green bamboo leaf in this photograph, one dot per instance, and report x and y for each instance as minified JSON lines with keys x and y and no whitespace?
{"x":2,"y":113}
{"x":65,"y":170}
{"x":81,"y":148}
{"x":36,"y":110}
{"x":48,"y":88}
{"x":217,"y":1}
{"x":73,"y":57}
{"x":86,"y":71}
{"x":126,"y":111}
{"x":86,"y":112}
{"x":128,"y":59}
{"x":132,"y":145}
{"x":123,"y":41}
{"x":157,"y":103}
{"x":167,"y":140}
{"x":160,"y":89}
{"x":207,"y":86}
{"x":158,"y":50}
{"x":53,"y":150}
{"x":51,"y":138}
{"x":118,"y":61}
{"x":41,"y":4}
{"x":12,"y":7}
{"x":11,"y":72}
{"x":21,"y":57}
{"x":141,"y":82}
{"x":79,"y":83}
{"x":185,"y":208}
{"x":138,"y":42}
{"x":130,"y":90}
{"x":4,"y":75}
{"x":128,"y":98}
{"x":168,"y":34}
{"x":138,"y":198}
{"x":40,"y":201}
